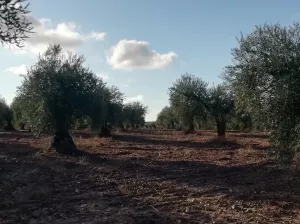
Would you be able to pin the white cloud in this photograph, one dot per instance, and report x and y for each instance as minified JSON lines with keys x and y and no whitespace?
{"x":131,"y":54}
{"x":103,"y":76}
{"x":97,"y":36}
{"x":65,"y":34}
{"x":18,"y":70}
{"x":139,"y":98}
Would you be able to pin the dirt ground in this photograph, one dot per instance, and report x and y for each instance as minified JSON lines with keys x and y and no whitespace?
{"x":146,"y":176}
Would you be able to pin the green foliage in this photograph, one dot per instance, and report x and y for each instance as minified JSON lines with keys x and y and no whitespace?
{"x":114,"y":116}
{"x":3,"y":106}
{"x":107,"y":109}
{"x":19,"y":118}
{"x":6,"y":115}
{"x":57,"y":89}
{"x":58,"y":92}
{"x":240,"y":121}
{"x":167,"y":118}
{"x":265,"y":77}
{"x":134,"y":114}
{"x":194,"y":102}
{"x":82,"y":123}
{"x":219,"y":104}
{"x":182,"y":97}
{"x":97,"y":111}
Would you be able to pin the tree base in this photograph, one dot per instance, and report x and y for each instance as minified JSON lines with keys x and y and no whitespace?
{"x":122,"y":128}
{"x":189,"y":131}
{"x":63,"y":143}
{"x":9,"y":127}
{"x":104,"y":132}
{"x":221,"y":130}
{"x":22,"y":126}
{"x":221,"y":137}
{"x":221,"y":134}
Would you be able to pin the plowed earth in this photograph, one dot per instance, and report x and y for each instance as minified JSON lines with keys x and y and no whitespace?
{"x":146,"y":176}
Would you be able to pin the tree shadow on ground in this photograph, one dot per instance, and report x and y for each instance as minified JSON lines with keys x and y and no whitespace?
{"x":88,"y":188}
{"x":260,"y":147}
{"x":53,"y":189}
{"x":83,"y":134}
{"x":17,"y":149}
{"x":213,"y":144}
{"x":15,"y":134}
{"x":153,"y":131}
{"x":249,"y":135}
{"x":254,"y":182}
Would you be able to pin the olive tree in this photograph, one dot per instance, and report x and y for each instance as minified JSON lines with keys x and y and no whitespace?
{"x":55,"y":90}
{"x":109,"y":111}
{"x":265,"y":76}
{"x":18,"y":113}
{"x":98,"y":108}
{"x":181,"y":97}
{"x":6,"y":116}
{"x":134,"y":114}
{"x":167,"y":118}
{"x":14,"y":25}
{"x":114,"y":107}
{"x":219,"y":104}
{"x":193,"y":98}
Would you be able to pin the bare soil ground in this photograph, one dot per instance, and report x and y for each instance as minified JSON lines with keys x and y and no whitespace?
{"x":146,"y":176}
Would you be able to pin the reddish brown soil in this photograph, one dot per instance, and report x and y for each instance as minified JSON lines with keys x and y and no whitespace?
{"x":149,"y":176}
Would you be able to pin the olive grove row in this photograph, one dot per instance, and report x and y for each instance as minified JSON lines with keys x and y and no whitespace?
{"x":260,"y":90}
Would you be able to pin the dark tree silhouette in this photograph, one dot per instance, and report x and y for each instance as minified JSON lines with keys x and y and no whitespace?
{"x":14,"y":25}
{"x":6,"y":116}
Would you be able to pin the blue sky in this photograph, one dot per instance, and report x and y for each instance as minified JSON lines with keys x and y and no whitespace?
{"x":142,"y":46}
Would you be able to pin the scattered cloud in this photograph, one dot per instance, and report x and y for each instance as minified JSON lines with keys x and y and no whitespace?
{"x":97,"y":36}
{"x":139,"y":98}
{"x":132,"y":54}
{"x":103,"y":76}
{"x":18,"y":70}
{"x":66,"y":34}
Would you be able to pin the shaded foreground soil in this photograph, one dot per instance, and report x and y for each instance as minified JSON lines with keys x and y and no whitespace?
{"x":146,"y":176}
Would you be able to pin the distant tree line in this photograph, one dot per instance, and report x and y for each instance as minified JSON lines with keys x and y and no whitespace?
{"x":195,"y":105}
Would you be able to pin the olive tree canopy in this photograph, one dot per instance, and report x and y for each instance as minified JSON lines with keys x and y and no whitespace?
{"x":57,"y":89}
{"x":192,"y":98}
{"x":265,"y":76}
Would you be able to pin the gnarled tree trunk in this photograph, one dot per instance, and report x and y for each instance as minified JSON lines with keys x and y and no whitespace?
{"x":221,"y":129}
{"x":62,"y":142}
{"x":122,"y":128}
{"x":22,"y":126}
{"x":104,"y":132}
{"x":190,"y":129}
